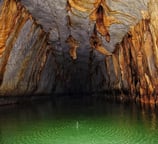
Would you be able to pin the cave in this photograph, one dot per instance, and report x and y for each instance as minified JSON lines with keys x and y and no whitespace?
{"x":78,"y":71}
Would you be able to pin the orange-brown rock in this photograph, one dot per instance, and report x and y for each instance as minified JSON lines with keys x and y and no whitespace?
{"x":74,"y":44}
{"x":23,"y":50}
{"x":137,"y":58}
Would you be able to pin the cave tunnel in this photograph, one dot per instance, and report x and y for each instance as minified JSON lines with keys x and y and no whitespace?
{"x":78,"y":71}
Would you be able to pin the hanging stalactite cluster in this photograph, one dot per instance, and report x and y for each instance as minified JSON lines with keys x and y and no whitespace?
{"x":99,"y":12}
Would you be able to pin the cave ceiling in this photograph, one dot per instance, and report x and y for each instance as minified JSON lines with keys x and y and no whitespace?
{"x":71,"y":23}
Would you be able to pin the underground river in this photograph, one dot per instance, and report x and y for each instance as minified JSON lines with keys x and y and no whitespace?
{"x":76,"y":121}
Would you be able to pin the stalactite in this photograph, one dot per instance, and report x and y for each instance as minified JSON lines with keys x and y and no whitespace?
{"x":74,"y":44}
{"x":99,"y":12}
{"x":96,"y":43}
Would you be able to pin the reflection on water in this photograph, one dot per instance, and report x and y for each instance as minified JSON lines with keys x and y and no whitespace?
{"x":78,"y":122}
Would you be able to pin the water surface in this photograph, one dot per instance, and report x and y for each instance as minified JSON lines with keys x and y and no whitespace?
{"x":77,"y":122}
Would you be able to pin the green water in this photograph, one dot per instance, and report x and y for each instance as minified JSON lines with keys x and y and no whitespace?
{"x":77,"y":123}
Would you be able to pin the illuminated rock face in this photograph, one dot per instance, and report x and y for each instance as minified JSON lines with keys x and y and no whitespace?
{"x":136,"y":60}
{"x":71,"y":46}
{"x":23,"y":51}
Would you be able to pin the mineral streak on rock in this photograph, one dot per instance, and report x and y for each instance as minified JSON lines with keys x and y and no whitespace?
{"x":137,"y":59}
{"x":23,"y":50}
{"x":99,"y":12}
{"x":96,"y":43}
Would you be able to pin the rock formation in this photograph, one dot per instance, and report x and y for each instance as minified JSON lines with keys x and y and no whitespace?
{"x":137,"y":58}
{"x":23,"y":51}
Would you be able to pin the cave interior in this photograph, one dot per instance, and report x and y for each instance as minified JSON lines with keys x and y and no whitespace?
{"x":102,"y":48}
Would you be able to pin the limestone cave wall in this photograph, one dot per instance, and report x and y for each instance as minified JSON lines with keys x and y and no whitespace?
{"x":24,"y":52}
{"x":135,"y":61}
